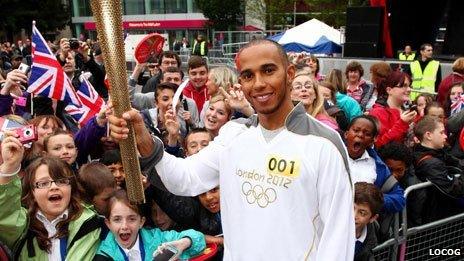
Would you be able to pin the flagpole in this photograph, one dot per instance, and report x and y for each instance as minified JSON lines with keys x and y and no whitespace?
{"x":32,"y":94}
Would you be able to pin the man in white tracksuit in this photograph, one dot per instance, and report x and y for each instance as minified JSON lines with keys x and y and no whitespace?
{"x":286,"y":193}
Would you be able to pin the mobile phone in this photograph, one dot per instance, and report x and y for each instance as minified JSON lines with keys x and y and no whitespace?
{"x":24,"y":68}
{"x":185,"y":104}
{"x":413,"y":108}
{"x":26,"y":134}
{"x":169,"y":253}
{"x":20,"y":101}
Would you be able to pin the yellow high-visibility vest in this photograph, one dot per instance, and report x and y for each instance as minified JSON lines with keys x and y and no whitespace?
{"x":423,"y":81}
{"x":202,"y":48}
{"x":403,"y":57}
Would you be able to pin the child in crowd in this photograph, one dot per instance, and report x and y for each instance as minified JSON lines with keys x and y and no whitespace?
{"x":422,"y":100}
{"x":434,"y":109}
{"x":53,"y":224}
{"x":367,"y":166}
{"x":128,"y":239}
{"x":433,"y":163}
{"x":98,"y":184}
{"x":112,"y":159}
{"x":60,"y":144}
{"x":368,"y":201}
{"x":398,"y":158}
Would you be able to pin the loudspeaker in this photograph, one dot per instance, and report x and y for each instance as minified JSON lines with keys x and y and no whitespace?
{"x":363,"y":31}
{"x":364,"y":15}
{"x":362,"y":49}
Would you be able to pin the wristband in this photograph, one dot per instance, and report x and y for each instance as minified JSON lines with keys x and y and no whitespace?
{"x":5,"y":175}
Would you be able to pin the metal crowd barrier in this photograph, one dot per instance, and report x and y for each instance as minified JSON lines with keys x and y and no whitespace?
{"x":439,"y":240}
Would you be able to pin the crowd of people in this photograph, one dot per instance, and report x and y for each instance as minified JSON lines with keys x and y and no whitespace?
{"x":261,"y":160}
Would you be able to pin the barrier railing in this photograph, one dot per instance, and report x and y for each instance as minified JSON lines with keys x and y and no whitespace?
{"x":438,"y":240}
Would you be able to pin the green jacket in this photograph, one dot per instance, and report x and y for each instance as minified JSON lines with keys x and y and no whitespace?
{"x":14,"y":223}
{"x":152,"y":238}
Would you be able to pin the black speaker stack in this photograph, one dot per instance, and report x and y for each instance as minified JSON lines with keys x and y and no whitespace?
{"x":363,"y":35}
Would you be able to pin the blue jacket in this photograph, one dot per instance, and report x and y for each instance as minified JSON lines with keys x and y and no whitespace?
{"x":152,"y":239}
{"x":394,"y":200}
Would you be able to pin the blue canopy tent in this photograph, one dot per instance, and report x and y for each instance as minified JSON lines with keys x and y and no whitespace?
{"x":312,"y":36}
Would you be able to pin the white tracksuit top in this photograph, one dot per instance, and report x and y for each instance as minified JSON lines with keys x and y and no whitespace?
{"x":289,"y":199}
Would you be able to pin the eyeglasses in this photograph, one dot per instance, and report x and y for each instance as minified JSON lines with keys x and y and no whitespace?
{"x":169,"y":63}
{"x":47,"y":184}
{"x":298,"y":87}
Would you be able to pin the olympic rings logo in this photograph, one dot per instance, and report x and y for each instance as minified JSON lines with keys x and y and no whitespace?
{"x":259,"y":195}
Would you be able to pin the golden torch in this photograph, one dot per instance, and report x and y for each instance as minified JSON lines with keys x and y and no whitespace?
{"x":108,"y":18}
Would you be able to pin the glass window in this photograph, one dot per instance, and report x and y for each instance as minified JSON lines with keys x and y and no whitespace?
{"x":157,"y":6}
{"x":195,"y":7}
{"x":134,"y":7}
{"x":175,"y":6}
{"x":84,"y":8}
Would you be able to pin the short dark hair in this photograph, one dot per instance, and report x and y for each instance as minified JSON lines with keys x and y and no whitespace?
{"x":367,"y":193}
{"x":354,"y":66}
{"x":164,"y":86}
{"x":425,"y":45}
{"x":396,"y":151}
{"x":56,"y":133}
{"x":196,"y":61}
{"x":111,"y":157}
{"x":426,"y":124}
{"x":370,"y":118}
{"x":172,"y":69}
{"x":94,"y":177}
{"x":433,"y":104}
{"x":193,"y":131}
{"x":254,"y":42}
{"x":170,"y":54}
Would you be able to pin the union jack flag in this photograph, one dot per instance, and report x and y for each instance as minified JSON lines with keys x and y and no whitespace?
{"x":47,"y":77}
{"x":457,"y":105}
{"x":91,"y":103}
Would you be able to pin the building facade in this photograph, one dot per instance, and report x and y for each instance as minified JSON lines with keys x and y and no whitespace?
{"x":177,"y":18}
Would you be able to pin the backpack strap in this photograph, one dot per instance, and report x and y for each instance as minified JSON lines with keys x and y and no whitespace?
{"x":28,"y":241}
{"x":389,"y":184}
{"x":88,"y":226}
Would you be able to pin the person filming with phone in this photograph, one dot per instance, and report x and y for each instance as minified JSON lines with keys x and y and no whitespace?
{"x":389,"y":109}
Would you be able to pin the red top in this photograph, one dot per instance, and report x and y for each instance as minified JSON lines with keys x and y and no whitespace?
{"x":392,"y":127}
{"x":199,"y":96}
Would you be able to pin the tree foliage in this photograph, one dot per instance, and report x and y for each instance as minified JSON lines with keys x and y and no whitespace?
{"x":223,"y":15}
{"x":50,"y":15}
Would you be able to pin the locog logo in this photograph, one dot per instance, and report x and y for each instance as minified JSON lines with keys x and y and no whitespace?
{"x":259,"y":195}
{"x":445,"y":252}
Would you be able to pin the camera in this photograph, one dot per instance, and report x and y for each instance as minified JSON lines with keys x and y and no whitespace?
{"x":74,"y":43}
{"x":413,"y":108}
{"x":24,"y":68}
{"x":26,"y":134}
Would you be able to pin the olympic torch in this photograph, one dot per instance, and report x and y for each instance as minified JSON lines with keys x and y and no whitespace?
{"x":108,"y":18}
